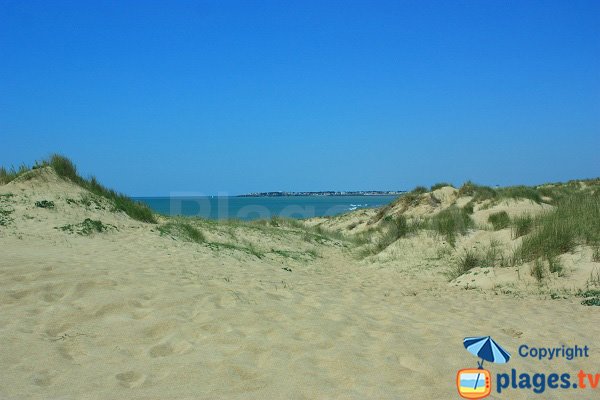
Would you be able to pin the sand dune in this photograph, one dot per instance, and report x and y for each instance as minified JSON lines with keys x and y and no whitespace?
{"x":130,"y":313}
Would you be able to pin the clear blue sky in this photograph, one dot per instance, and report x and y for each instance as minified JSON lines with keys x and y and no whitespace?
{"x":154,"y":97}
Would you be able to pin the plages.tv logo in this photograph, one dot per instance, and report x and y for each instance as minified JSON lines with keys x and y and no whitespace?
{"x":476,"y":383}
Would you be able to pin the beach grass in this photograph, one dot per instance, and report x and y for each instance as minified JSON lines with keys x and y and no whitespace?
{"x":499,"y":220}
{"x":440,"y":185}
{"x":574,"y":221}
{"x":465,"y":262}
{"x":86,"y":228}
{"x":450,"y":223}
{"x":521,"y":225}
{"x":537,"y":270}
{"x":178,"y":228}
{"x":67,"y":170}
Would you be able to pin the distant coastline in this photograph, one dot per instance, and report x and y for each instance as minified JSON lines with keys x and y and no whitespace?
{"x":326,"y":193}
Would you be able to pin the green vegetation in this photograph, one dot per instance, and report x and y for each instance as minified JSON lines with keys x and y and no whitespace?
{"x":489,"y":257}
{"x":499,"y":220}
{"x":554,"y":265}
{"x":574,"y":221}
{"x":519,"y":192}
{"x":67,"y":170}
{"x":451,"y":222}
{"x":440,"y":185}
{"x":478,"y":192}
{"x":404,"y":201}
{"x":537,"y":270}
{"x":591,"y":297}
{"x":466,"y":262}
{"x":44,"y":204}
{"x":391,"y":230}
{"x":469,"y":207}
{"x":481,"y":193}
{"x":8,"y":175}
{"x":5,"y":211}
{"x":596,"y":253}
{"x":87,"y":227}
{"x":181,"y":229}
{"x":594,"y":279}
{"x":521,"y":225}
{"x":5,"y":218}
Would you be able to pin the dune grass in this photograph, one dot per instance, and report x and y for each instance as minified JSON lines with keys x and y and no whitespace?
{"x":488,"y":257}
{"x":478,"y":192}
{"x":538,"y":270}
{"x":521,"y":225}
{"x":181,"y":229}
{"x":5,"y":213}
{"x":87,"y":227}
{"x":596,"y":253}
{"x":44,"y":204}
{"x":574,"y":221}
{"x":391,"y":229}
{"x":136,"y":210}
{"x":404,"y":200}
{"x":520,"y":192}
{"x":450,"y":223}
{"x":499,"y":220}
{"x":466,"y":262}
{"x":67,"y":170}
{"x":481,"y":193}
{"x":440,"y":185}
{"x":555,"y":266}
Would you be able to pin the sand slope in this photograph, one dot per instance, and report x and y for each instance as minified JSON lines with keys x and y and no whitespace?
{"x":129,"y":313}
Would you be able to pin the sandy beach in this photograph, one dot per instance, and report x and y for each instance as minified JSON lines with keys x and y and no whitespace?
{"x":133,"y":313}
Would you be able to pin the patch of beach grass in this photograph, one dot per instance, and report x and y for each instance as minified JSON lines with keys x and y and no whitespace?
{"x":520,"y":192}
{"x":537,"y":270}
{"x":391,"y":229}
{"x":183,"y":230}
{"x":596,"y":253}
{"x":5,"y":209}
{"x":478,"y":192}
{"x":521,"y":225}
{"x":44,"y":204}
{"x":489,"y":257}
{"x":440,"y":185}
{"x":481,"y":193}
{"x":465,"y":262}
{"x":5,"y":217}
{"x":87,"y":227}
{"x":592,"y":294}
{"x":574,"y":221}
{"x":554,"y":265}
{"x":67,"y":170}
{"x":499,"y":220}
{"x":469,"y":207}
{"x":450,"y":223}
{"x":8,"y":175}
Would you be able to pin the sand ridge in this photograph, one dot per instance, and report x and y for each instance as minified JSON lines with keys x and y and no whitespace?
{"x":130,"y":313}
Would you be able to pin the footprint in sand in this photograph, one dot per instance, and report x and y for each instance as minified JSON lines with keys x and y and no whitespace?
{"x":166,"y":349}
{"x":130,"y":379}
{"x":42,"y":379}
{"x":513,"y":332}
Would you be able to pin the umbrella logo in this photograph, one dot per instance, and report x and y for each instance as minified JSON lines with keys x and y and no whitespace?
{"x":476,"y":383}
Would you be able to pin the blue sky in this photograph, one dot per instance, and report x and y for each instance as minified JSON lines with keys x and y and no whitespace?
{"x":155,"y":97}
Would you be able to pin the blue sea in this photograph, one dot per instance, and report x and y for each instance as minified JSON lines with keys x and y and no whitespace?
{"x":249,"y":208}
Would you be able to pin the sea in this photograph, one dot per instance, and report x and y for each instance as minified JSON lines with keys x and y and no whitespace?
{"x":251,"y":208}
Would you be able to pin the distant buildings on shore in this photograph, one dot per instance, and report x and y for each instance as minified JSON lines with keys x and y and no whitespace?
{"x":327,"y":193}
